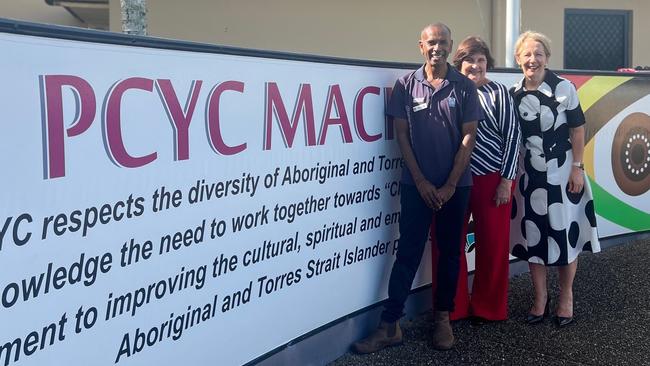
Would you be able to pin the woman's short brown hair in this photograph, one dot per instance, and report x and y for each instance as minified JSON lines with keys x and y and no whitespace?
{"x":470,"y":46}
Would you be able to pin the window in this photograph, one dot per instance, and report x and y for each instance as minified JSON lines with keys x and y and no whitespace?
{"x":597,"y":39}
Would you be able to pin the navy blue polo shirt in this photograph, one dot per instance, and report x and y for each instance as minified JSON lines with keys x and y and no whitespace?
{"x":435,"y":119}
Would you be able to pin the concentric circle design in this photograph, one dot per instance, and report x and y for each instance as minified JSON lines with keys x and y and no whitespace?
{"x":631,"y":154}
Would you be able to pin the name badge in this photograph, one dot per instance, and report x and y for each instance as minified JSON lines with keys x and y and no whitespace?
{"x":452,"y":102}
{"x":419,"y":107}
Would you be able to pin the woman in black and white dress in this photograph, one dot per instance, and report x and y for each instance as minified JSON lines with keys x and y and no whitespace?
{"x":553,"y":210}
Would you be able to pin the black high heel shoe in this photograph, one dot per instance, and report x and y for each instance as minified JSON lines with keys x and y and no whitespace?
{"x":532,"y":319}
{"x":477,"y":321}
{"x":562,"y":321}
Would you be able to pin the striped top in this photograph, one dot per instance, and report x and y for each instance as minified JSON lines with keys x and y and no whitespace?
{"x":498,"y":135}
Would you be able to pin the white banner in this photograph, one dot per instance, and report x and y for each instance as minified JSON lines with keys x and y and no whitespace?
{"x":166,"y":207}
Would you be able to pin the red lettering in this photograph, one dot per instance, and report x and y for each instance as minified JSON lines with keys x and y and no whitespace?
{"x":304,"y":107}
{"x":51,"y":89}
{"x":213,"y":121}
{"x":113,"y":124}
{"x":180,"y":118}
{"x":335,"y":101}
{"x":358,"y":114}
{"x":390,"y":132}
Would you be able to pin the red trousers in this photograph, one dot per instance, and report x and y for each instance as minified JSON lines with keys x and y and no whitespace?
{"x":489,"y":299}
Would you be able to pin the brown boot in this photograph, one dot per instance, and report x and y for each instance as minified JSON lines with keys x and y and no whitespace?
{"x":443,"y":336}
{"x":387,"y":334}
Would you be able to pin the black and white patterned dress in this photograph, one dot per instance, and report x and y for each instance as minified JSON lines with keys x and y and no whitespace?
{"x":550,"y":225}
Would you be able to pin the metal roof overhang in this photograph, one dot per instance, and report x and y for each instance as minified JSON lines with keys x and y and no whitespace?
{"x":93,"y":13}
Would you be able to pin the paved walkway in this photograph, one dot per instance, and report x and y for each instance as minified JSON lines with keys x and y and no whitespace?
{"x":612,"y":310}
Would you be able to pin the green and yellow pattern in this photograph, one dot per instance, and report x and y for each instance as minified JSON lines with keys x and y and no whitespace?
{"x":602,"y":98}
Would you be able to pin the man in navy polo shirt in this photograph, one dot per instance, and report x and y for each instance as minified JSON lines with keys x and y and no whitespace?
{"x":436,"y":112}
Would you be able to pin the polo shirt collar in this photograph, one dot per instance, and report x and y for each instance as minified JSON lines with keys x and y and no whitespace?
{"x":452,"y":74}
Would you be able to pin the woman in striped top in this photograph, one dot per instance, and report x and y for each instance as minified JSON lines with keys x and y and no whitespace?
{"x":494,"y":168}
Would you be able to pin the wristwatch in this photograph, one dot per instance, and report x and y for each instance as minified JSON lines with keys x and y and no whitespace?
{"x":579,"y":164}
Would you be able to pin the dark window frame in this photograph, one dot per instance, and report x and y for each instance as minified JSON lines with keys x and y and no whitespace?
{"x":627,"y":16}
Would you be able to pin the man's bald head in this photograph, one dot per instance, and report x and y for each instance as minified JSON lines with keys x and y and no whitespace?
{"x":435,"y":26}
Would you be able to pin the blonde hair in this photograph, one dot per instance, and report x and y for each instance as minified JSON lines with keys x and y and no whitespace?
{"x":535,"y":36}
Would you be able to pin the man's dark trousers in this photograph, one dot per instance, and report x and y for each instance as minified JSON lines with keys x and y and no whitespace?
{"x":415,"y":218}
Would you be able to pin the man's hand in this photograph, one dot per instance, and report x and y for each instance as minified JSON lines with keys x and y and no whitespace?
{"x":445,"y":193}
{"x":502,"y":194}
{"x":429,"y":194}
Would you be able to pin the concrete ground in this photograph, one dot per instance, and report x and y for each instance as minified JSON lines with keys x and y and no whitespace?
{"x":611,"y":308}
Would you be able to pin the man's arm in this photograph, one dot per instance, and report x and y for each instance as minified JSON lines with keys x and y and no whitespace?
{"x":427,"y":191}
{"x":461,"y":160}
